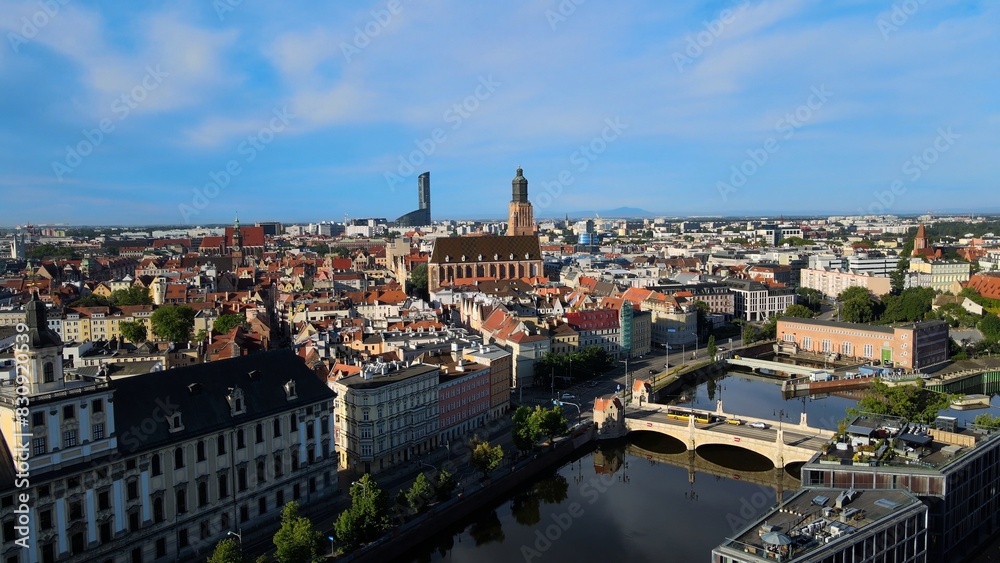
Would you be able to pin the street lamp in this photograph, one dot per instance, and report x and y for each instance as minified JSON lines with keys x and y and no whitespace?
{"x":239,"y":537}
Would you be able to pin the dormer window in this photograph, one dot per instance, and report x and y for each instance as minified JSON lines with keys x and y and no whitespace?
{"x":236,"y":403}
{"x":174,"y":422}
{"x":290,"y":390}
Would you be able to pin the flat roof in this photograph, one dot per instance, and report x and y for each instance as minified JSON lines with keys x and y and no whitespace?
{"x":805,"y":523}
{"x":359,"y":382}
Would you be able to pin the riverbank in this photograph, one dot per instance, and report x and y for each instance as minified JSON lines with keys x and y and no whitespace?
{"x":411,"y":535}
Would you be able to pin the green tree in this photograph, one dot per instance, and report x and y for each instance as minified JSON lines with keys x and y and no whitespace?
{"x":988,"y":420}
{"x":226,"y":323}
{"x":91,"y":300}
{"x":749,"y":333}
{"x":296,"y":541}
{"x":811,"y":298}
{"x":914,"y":403}
{"x":373,"y":505}
{"x":226,"y":551}
{"x":794,"y":241}
{"x":419,"y":494}
{"x":911,"y":305}
{"x":702,"y":311}
{"x":134,"y":295}
{"x":854,"y":292}
{"x":418,"y":277}
{"x":525,"y":430}
{"x":322,"y":249}
{"x":485,"y":457}
{"x":340,"y":251}
{"x":552,"y":422}
{"x":444,"y":485}
{"x":347,"y":528}
{"x":858,"y":310}
{"x":989,"y":325}
{"x":711,"y":348}
{"x":897,"y":279}
{"x":173,"y":323}
{"x":799,"y":311}
{"x":133,"y":331}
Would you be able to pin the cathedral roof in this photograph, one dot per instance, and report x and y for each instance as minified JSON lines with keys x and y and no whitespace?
{"x":462,"y":250}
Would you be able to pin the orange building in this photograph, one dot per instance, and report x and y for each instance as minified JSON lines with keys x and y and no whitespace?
{"x":909,"y":346}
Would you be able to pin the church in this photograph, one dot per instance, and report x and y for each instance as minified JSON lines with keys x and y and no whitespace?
{"x":466,"y":261}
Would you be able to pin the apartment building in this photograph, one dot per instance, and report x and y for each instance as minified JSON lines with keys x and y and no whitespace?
{"x":161,"y":466}
{"x":832,"y":282}
{"x":755,"y":301}
{"x":501,"y":374}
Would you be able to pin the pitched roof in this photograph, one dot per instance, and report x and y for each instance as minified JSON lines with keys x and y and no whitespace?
{"x":485,"y":249}
{"x":204,"y":408}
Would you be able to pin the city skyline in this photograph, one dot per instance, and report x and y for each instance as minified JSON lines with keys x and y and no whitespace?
{"x":140,"y":116}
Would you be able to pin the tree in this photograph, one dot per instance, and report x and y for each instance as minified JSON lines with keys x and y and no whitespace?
{"x":711,"y":348}
{"x":173,"y":323}
{"x":794,"y":241}
{"x":914,"y":403}
{"x":799,"y":311}
{"x":525,"y":431}
{"x":861,"y":310}
{"x":322,"y":249}
{"x":854,"y":292}
{"x":91,"y":300}
{"x":551,"y":422}
{"x":296,"y":541}
{"x":372,"y":503}
{"x":133,"y":331}
{"x":226,"y":323}
{"x":347,"y":528}
{"x":420,"y":492}
{"x":485,"y":457}
{"x":134,"y":295}
{"x":988,"y":420}
{"x":444,"y":485}
{"x":749,"y":333}
{"x":418,"y":277}
{"x":226,"y":551}
{"x":912,"y":304}
{"x":989,"y":325}
{"x":811,"y":298}
{"x":702,"y":311}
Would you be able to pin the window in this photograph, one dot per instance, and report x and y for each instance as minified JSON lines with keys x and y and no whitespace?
{"x":827,"y":345}
{"x":311,"y":431}
{"x":277,"y":466}
{"x":277,"y":428}
{"x":869,"y":351}
{"x":223,"y":486}
{"x":69,"y":412}
{"x":261,"y":476}
{"x":154,"y":465}
{"x":241,"y":478}
{"x":220,"y":444}
{"x":97,"y":405}
{"x":262,"y":505}
{"x":181,"y":495}
{"x":280,"y":498}
{"x":296,"y":491}
{"x":807,"y":342}
{"x":49,"y":372}
{"x":45,"y":519}
{"x":158,"y":510}
{"x":178,"y":458}
{"x":132,"y":489}
{"x":133,"y":520}
{"x":69,"y":438}
{"x":202,"y":494}
{"x":846,"y":348}
{"x":103,"y":500}
{"x":38,"y":418}
{"x":182,"y":538}
{"x":38,"y":446}
{"x":98,"y":431}
{"x":240,"y":439}
{"x":200,"y":450}
{"x":161,"y":547}
{"x":259,"y":433}
{"x":206,"y":529}
{"x":106,"y":532}
{"x":244,"y":513}
{"x":75,"y":510}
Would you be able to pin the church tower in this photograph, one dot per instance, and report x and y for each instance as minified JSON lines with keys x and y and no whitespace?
{"x":521,"y":220}
{"x":236,"y":250}
{"x":920,"y":242}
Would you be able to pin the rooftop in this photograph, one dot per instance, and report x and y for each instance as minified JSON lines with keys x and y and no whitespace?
{"x":811,"y":520}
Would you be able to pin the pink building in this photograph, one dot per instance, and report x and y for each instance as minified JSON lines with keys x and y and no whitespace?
{"x":463,"y":397}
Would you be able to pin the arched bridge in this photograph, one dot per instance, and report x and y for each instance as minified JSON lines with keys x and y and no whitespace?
{"x":777,"y":367}
{"x":776,"y":478}
{"x":782,"y":443}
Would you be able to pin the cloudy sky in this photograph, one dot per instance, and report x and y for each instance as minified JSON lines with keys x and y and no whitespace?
{"x":191,"y":112}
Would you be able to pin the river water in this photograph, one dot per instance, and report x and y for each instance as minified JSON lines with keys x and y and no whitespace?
{"x":644,"y":499}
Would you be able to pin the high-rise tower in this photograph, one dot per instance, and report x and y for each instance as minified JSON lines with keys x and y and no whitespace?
{"x":424,"y":194}
{"x":521,"y":220}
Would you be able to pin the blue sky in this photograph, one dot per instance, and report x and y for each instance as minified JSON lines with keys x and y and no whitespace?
{"x":310,"y":111}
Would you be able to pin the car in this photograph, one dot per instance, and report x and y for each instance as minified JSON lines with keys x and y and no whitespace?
{"x":651,"y":370}
{"x":593,"y":384}
{"x":568,"y":396}
{"x":760,"y":425}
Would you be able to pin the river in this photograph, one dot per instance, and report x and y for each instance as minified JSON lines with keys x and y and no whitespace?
{"x":644,"y":499}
